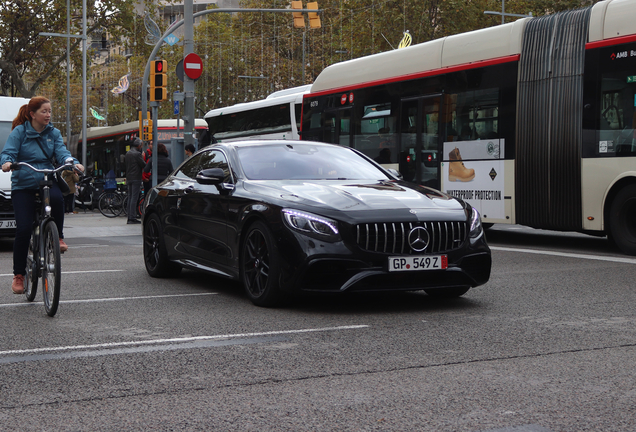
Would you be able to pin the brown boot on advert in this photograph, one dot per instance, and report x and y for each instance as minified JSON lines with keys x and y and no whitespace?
{"x":456,"y":169}
{"x":18,"y":284}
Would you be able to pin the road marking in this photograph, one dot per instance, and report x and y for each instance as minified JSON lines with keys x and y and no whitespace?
{"x":180,"y":340}
{"x":568,"y":255}
{"x":76,"y":272}
{"x":108,"y":299}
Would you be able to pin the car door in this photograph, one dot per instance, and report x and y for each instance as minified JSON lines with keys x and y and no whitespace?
{"x":175,"y":189}
{"x":202,"y":218}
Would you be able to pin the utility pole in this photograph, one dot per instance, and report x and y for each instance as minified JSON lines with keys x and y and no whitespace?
{"x":188,"y":83}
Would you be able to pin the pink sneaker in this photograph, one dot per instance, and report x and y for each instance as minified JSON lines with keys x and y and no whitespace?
{"x":63,"y":246}
{"x":18,"y":284}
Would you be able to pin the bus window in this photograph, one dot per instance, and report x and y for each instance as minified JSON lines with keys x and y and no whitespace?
{"x":476,"y":115}
{"x":616,"y":116}
{"x":297,"y":111}
{"x":336,"y":127}
{"x":375,"y":136}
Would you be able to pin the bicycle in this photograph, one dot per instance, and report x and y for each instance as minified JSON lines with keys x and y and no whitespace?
{"x":43,"y":258}
{"x":111,"y":203}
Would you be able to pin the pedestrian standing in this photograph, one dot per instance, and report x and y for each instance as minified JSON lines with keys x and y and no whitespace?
{"x":134,"y":166}
{"x":189,"y":150}
{"x":164,"y":164}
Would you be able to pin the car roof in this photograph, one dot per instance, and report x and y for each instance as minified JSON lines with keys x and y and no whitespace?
{"x":256,"y":143}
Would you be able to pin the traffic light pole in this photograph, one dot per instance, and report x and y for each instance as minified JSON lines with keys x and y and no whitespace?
{"x":189,"y":88}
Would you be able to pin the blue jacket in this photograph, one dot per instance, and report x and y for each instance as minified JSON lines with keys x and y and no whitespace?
{"x":22,"y":146}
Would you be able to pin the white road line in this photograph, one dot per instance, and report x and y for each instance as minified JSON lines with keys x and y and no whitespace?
{"x":109,"y":299}
{"x":75,"y":272}
{"x":568,"y":255}
{"x":179,"y":340}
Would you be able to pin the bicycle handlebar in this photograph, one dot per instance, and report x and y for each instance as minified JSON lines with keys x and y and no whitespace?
{"x":19,"y":165}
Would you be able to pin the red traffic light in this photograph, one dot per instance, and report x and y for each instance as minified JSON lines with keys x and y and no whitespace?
{"x":158,"y":66}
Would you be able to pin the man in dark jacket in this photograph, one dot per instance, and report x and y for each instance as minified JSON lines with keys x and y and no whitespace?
{"x":134,"y":166}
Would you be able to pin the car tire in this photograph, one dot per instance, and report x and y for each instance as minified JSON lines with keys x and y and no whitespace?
{"x":260,"y":266}
{"x":155,"y":256}
{"x":446,"y":293}
{"x":622,"y":220}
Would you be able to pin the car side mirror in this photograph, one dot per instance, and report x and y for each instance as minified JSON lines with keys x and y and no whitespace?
{"x":210,"y":176}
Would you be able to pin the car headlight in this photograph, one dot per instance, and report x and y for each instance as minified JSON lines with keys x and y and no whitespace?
{"x":312,"y":225}
{"x":476,"y":230}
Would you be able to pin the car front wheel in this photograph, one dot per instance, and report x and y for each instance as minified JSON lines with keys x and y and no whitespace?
{"x":260,"y":266}
{"x":155,"y":256}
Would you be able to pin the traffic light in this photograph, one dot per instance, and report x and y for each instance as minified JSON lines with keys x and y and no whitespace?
{"x":299,"y":19}
{"x":158,"y":81}
{"x":145,"y":127}
{"x":314,"y":19}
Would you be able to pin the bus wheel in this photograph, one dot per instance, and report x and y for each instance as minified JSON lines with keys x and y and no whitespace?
{"x":622,"y":220}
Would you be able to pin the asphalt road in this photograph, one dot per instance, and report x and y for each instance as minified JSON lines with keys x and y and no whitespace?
{"x":547,"y":345}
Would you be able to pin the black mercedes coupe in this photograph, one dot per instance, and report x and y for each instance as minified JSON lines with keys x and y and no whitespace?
{"x":292,"y":216}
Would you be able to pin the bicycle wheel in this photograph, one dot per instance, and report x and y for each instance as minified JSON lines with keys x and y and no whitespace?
{"x":110,"y":204}
{"x":52,"y":269}
{"x":31,"y":276}
{"x":125,"y":205}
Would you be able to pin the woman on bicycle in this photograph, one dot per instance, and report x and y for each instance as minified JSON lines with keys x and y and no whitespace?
{"x":33,"y":140}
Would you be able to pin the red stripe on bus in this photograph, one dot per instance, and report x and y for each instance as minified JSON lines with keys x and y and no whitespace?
{"x":613,"y":41}
{"x":445,"y":70}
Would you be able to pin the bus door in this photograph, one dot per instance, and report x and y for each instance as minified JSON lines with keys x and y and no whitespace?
{"x":420,"y":140}
{"x":336,"y":128}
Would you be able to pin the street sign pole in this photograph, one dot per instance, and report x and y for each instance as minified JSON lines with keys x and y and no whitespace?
{"x":188,"y":83}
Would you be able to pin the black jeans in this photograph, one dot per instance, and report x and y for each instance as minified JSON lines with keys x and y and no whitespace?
{"x":24,"y":208}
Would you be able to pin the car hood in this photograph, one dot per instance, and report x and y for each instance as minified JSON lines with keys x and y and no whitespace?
{"x":367,"y":196}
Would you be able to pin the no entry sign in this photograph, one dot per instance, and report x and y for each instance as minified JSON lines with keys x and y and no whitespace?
{"x":192,"y":66}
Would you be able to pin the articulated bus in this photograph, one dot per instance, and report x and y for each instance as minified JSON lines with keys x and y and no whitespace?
{"x":107,"y":146}
{"x":531,"y":122}
{"x":275,"y":117}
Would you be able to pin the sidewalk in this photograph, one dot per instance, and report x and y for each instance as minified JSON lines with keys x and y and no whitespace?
{"x":95,"y":224}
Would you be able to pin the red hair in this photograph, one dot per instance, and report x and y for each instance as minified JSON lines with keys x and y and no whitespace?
{"x":24,"y":114}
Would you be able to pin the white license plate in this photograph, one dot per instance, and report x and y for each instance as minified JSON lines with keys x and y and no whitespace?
{"x":418,"y":263}
{"x":6,"y":224}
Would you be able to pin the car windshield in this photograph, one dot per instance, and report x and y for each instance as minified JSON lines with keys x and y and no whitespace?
{"x":305,"y":162}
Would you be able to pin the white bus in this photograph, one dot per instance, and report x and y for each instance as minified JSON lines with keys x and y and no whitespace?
{"x":9,"y":107}
{"x":532,"y":122}
{"x":275,"y":117}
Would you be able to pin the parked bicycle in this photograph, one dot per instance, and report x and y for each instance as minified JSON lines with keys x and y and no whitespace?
{"x":43,"y":258}
{"x":111,"y":202}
